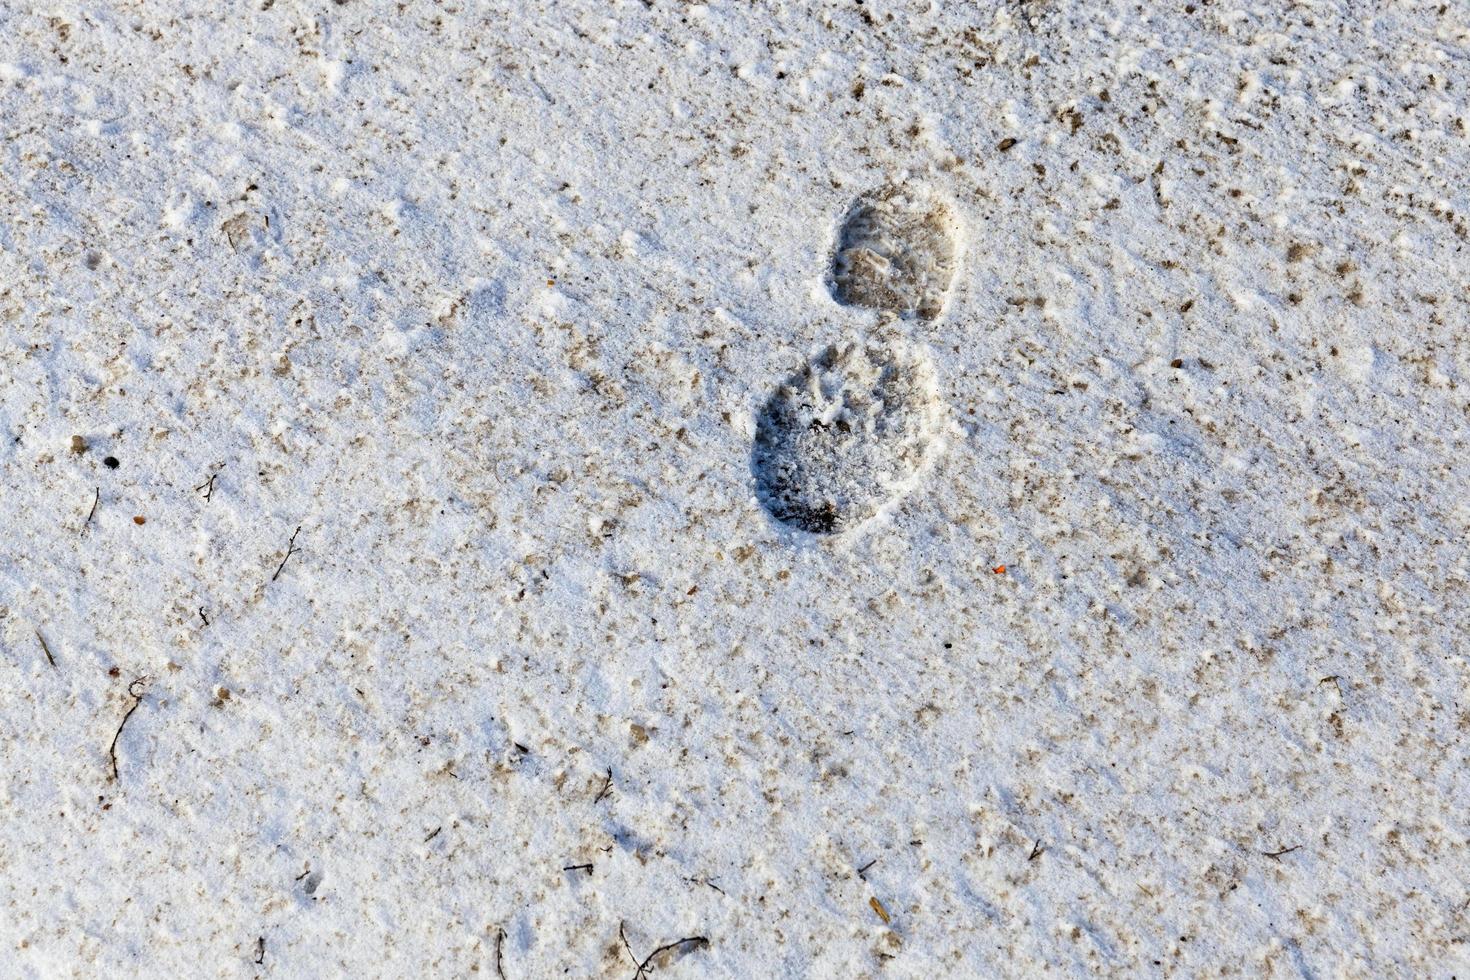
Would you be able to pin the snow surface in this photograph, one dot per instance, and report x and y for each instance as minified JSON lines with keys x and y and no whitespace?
{"x":1157,"y":668}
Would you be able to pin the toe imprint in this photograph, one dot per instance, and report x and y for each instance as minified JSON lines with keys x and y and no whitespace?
{"x":897,"y":251}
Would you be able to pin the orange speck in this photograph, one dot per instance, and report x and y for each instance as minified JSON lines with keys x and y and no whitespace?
{"x":878,"y":907}
{"x":140,"y":519}
{"x":551,"y":282}
{"x":999,"y":569}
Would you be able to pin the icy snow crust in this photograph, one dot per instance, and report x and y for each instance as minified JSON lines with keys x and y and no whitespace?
{"x":1158,"y":665}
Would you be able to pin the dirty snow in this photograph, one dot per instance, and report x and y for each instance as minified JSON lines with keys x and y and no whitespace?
{"x":409,"y":606}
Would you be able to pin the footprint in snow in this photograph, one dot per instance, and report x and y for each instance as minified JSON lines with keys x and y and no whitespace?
{"x":897,"y":252}
{"x":848,"y":433}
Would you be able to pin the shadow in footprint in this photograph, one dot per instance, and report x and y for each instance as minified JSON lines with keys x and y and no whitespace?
{"x":897,"y":252}
{"x":845,"y":435}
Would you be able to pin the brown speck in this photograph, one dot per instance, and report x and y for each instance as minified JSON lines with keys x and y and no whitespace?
{"x":1005,"y":144}
{"x":140,"y":519}
{"x":78,"y":445}
{"x":1299,"y":251}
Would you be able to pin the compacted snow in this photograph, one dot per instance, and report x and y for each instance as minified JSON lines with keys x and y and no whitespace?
{"x":625,"y":488}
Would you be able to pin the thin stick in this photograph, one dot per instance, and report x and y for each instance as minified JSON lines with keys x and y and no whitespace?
{"x":628,"y":946}
{"x":290,"y":550}
{"x":642,"y":968}
{"x":137,"y":700}
{"x":579,"y":867}
{"x":1276,"y":855}
{"x":207,"y":487}
{"x":1036,"y":850}
{"x":96,"y":498}
{"x":705,"y":881}
{"x":699,"y":943}
{"x":46,"y":649}
{"x":499,"y":942}
{"x":606,"y":788}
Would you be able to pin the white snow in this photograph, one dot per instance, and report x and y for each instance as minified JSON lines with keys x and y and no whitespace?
{"x":1159,"y":667}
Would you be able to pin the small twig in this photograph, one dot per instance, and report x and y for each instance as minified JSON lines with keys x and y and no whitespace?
{"x":1036,"y":850}
{"x":207,"y":487}
{"x":862,"y":871}
{"x":499,"y":942}
{"x":290,"y":550}
{"x":579,"y":867}
{"x":202,"y":616}
{"x":136,"y":691}
{"x":434,"y":834}
{"x":699,"y":943}
{"x":705,"y":881}
{"x":1276,"y":855}
{"x":606,"y":788}
{"x":46,"y":649}
{"x":642,"y":968}
{"x":626,"y":945}
{"x":260,"y":951}
{"x":96,"y":499}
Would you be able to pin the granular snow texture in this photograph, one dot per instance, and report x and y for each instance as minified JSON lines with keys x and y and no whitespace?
{"x":390,"y":580}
